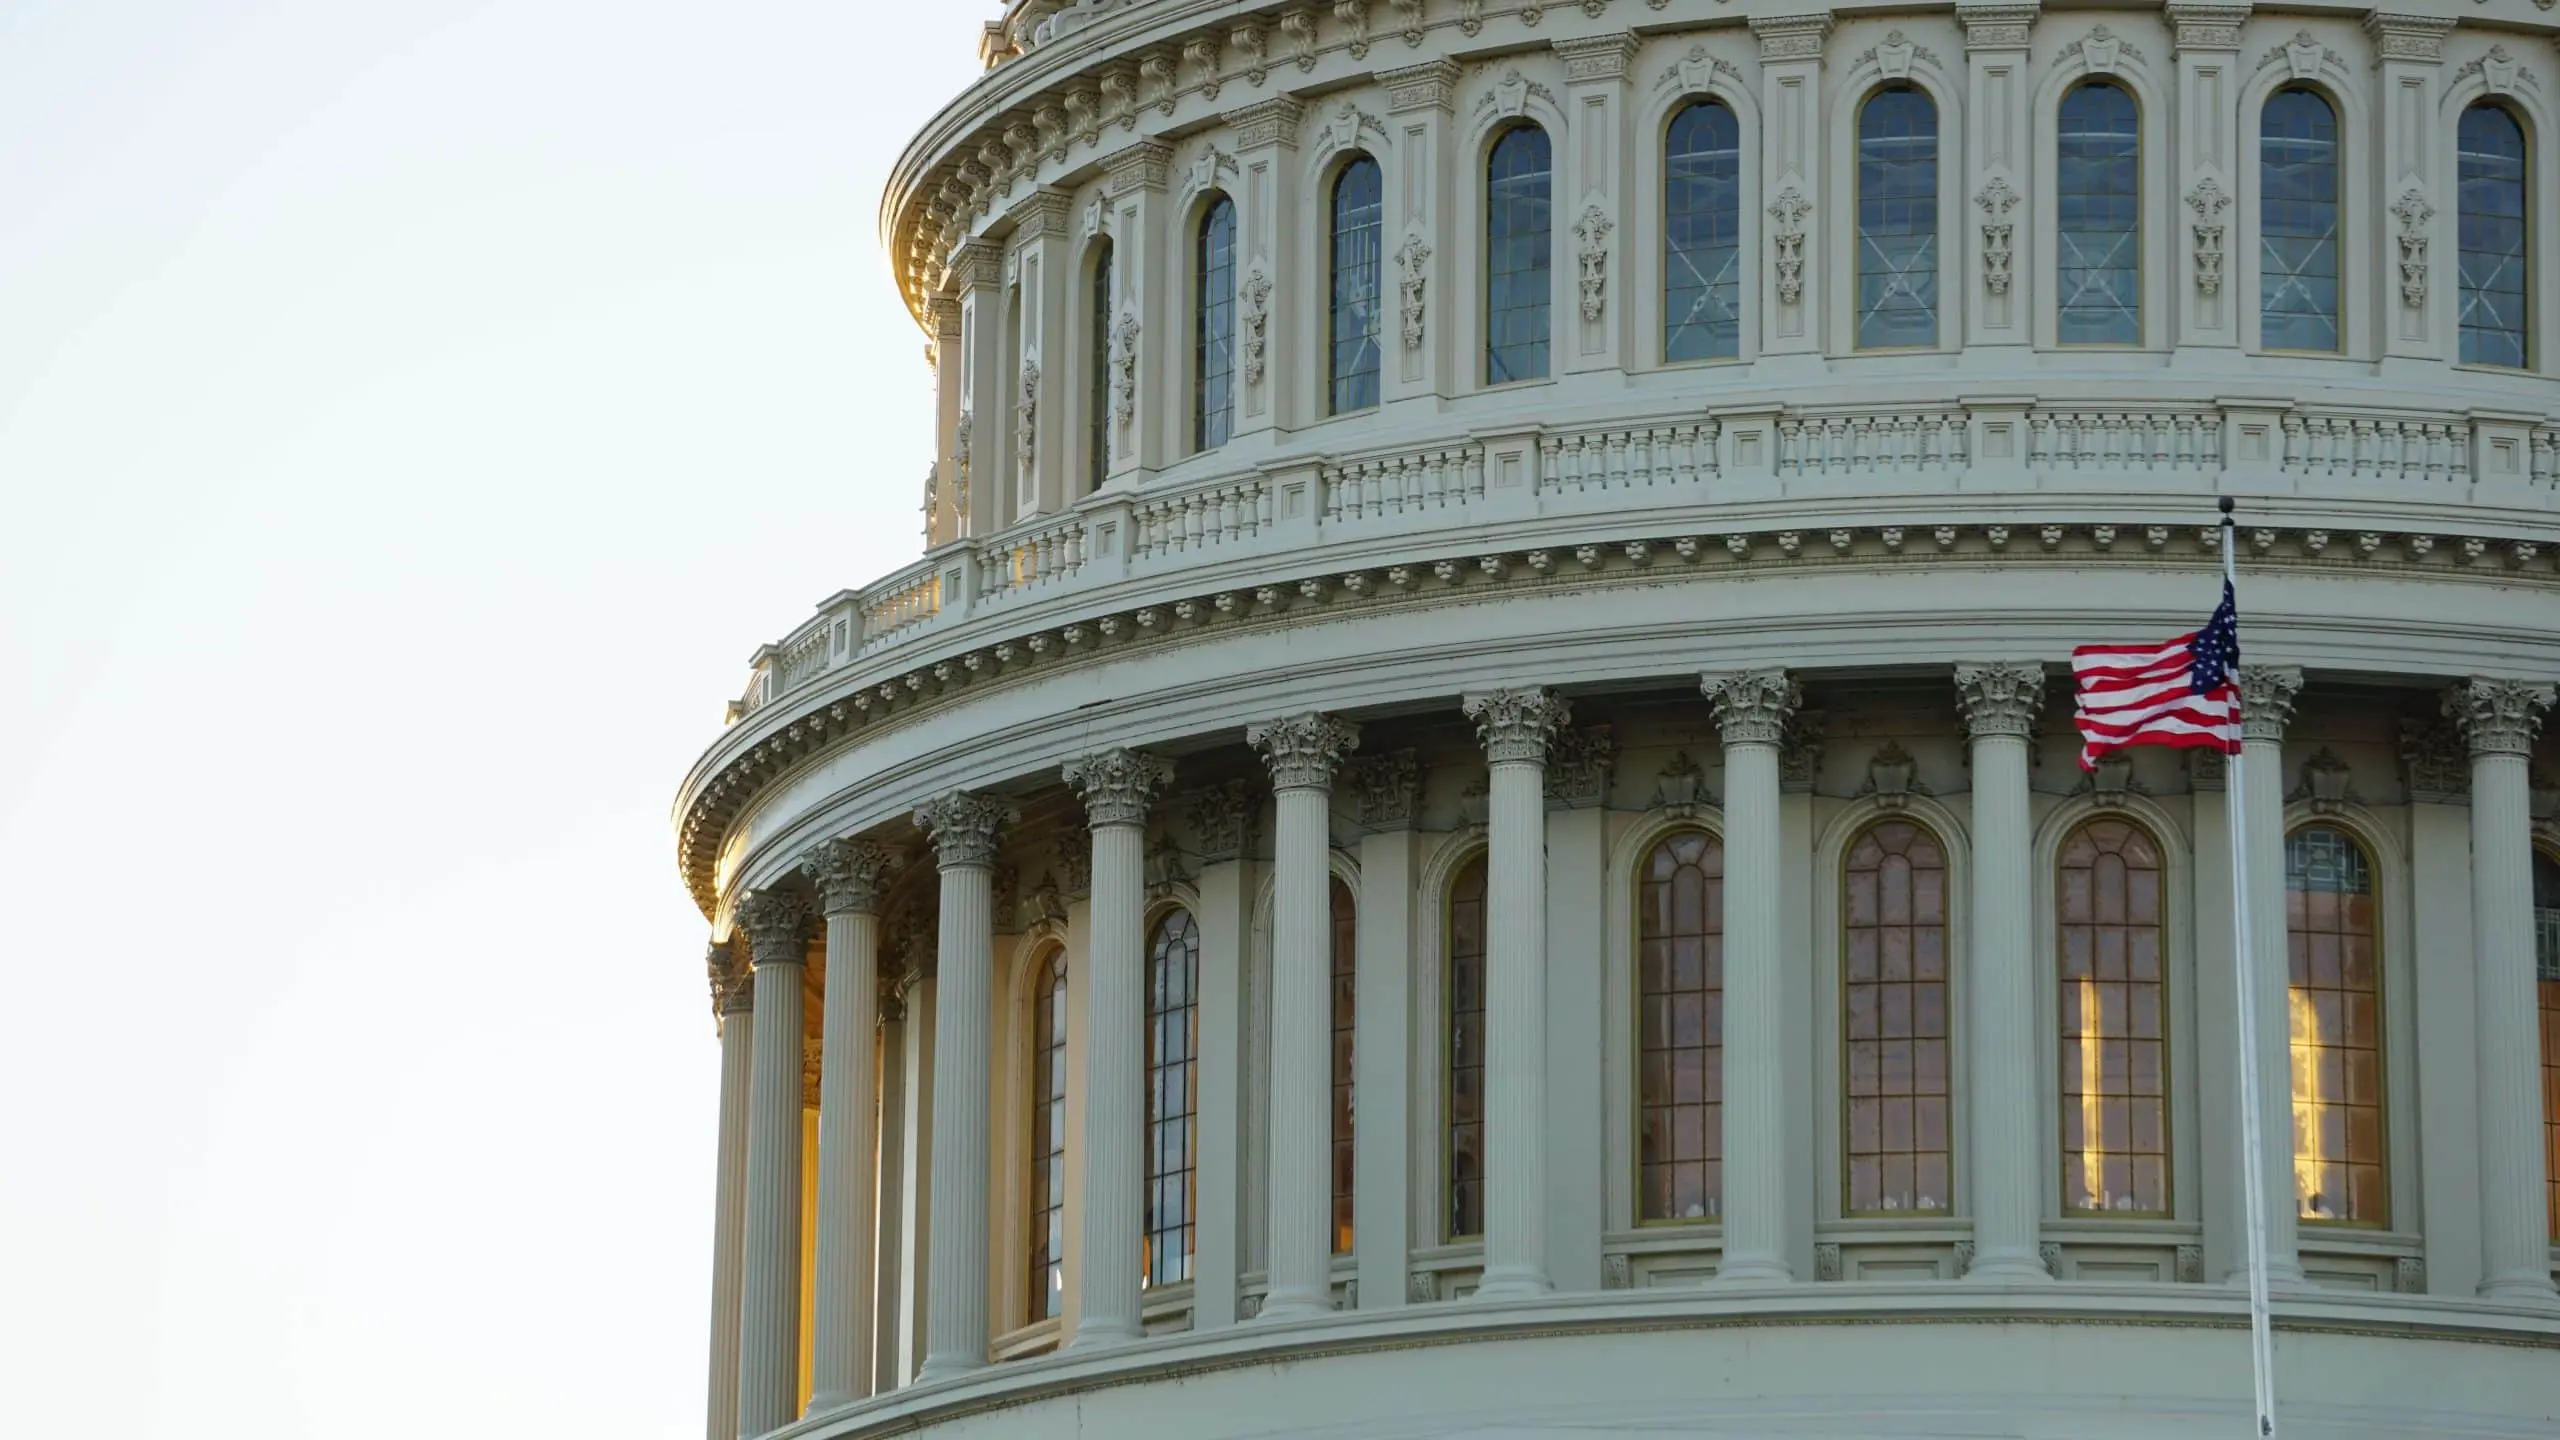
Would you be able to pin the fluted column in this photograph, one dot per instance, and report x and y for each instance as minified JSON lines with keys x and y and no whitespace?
{"x":1117,"y":785}
{"x":964,"y":830}
{"x":2000,"y":704}
{"x":850,"y":876}
{"x":2498,"y":718}
{"x":1516,"y":727}
{"x":2266,"y":703}
{"x":777,"y":926}
{"x":733,"y":999}
{"x":1303,"y":752}
{"x":1752,"y":707}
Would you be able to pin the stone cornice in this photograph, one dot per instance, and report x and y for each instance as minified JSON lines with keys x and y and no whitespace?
{"x":1791,"y":37}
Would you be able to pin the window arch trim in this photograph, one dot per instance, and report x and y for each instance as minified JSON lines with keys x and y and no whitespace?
{"x":1835,"y":286}
{"x":1209,"y":358}
{"x":1011,"y":1215}
{"x":1333,"y":171}
{"x":2530,"y":183}
{"x":2159,"y":233}
{"x":1627,"y":999}
{"x":1435,"y":878}
{"x":1745,"y":280}
{"x":1480,"y":247}
{"x":2241,"y":248}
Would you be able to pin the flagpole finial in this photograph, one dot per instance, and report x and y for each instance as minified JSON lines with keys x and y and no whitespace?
{"x":2227,"y":507}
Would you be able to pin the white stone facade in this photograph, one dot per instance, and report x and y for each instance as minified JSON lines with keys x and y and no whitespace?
{"x":1398,"y":691}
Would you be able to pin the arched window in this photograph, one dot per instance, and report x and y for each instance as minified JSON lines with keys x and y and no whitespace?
{"x":1048,"y":1135}
{"x":1097,"y":418}
{"x":2333,"y":945}
{"x":2492,"y":268}
{"x":1702,"y":235}
{"x":2546,"y":969}
{"x":1464,"y":1203}
{"x":2298,"y":222}
{"x":1680,"y":1029}
{"x":1213,"y":329}
{"x":1897,"y":220}
{"x":1894,"y":1021}
{"x":1359,"y":263}
{"x":1173,"y":1092}
{"x":2098,"y":184}
{"x":1519,"y":229}
{"x":1346,"y":1000}
{"x":2115,"y":1034}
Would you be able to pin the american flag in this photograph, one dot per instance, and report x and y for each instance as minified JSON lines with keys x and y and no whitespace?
{"x":2181,"y":693}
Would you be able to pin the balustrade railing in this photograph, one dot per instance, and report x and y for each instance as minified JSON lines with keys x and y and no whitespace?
{"x":2068,"y":439}
{"x":1878,"y":442}
{"x":901,"y":602}
{"x":1200,"y":519}
{"x":1046,"y":555}
{"x":2376,"y":447}
{"x":1644,"y":457}
{"x":1440,"y":478}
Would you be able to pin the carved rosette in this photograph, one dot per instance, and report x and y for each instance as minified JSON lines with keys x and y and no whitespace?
{"x":1752,"y":706}
{"x":964,"y":827}
{"x":2498,"y":717}
{"x":1388,"y":789}
{"x":2266,"y":700}
{"x":1118,"y":784}
{"x":1516,"y":726}
{"x":852,"y":876}
{"x":777,"y":926}
{"x":1303,"y":751}
{"x":2001,"y":698}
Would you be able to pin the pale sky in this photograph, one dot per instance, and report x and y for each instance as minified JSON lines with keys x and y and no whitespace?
{"x":411,"y":417}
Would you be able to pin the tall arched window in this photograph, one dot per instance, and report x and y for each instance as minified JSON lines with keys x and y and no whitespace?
{"x":2493,"y":262}
{"x":1680,"y":1029}
{"x":1173,"y":1092}
{"x":1519,"y":226}
{"x":1097,"y":415}
{"x":2333,"y":944}
{"x":2546,"y":969}
{"x":2112,"y":992}
{"x":2298,"y":222}
{"x":1894,"y":1021}
{"x":1359,"y":278}
{"x":1346,"y":1001}
{"x":1897,"y":220}
{"x":1702,"y":234}
{"x":1464,"y":1203}
{"x":2098,"y":185}
{"x":1213,"y":328}
{"x":1048,"y":1135}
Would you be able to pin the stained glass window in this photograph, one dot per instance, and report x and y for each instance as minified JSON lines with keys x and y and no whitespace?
{"x":1359,"y":225}
{"x":1346,"y":999}
{"x":2115,"y":1032}
{"x":1213,"y":399}
{"x":1702,"y":235}
{"x":1048,"y":1136}
{"x":2098,"y":264}
{"x":1464,"y":1212}
{"x":1519,"y":236}
{"x":1894,"y":1022}
{"x":2298,"y":222}
{"x":1173,"y":1093}
{"x":1097,"y":436}
{"x":2493,"y":237}
{"x":1680,"y":1030}
{"x":2334,"y":1001}
{"x":1897,"y":220}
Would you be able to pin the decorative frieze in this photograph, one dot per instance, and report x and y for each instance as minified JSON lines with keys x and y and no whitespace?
{"x":852,"y":876}
{"x":2401,"y":36}
{"x":1432,"y":85}
{"x":2498,"y":717}
{"x":1303,"y":750}
{"x":1597,"y":57}
{"x":1996,"y":27}
{"x":1752,"y":706}
{"x":1517,"y":725}
{"x":2000,"y":698}
{"x":1266,"y":124}
{"x":2205,"y":27}
{"x":1117,"y":785}
{"x":1144,"y":167}
{"x":1791,"y":37}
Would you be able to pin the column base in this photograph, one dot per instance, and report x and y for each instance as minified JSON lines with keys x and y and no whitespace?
{"x":1295,"y":1304}
{"x":2011,"y":1268}
{"x":2529,"y":1288}
{"x":946,"y":1367}
{"x":1513,"y":1284}
{"x":1102,"y":1335}
{"x":831,"y":1400}
{"x":1753,"y":1270}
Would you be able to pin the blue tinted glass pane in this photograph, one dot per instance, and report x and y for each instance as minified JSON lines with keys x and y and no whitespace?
{"x":1097,"y":438}
{"x":2493,"y":237}
{"x":2298,"y":223}
{"x":2097,"y":265}
{"x":1358,"y":276}
{"x":1518,"y":239}
{"x":1213,"y":408}
{"x":1897,"y":220}
{"x":1701,"y":236}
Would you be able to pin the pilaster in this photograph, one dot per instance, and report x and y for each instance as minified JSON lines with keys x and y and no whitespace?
{"x":1044,"y":404}
{"x":2437,"y":766}
{"x":1382,"y":1043}
{"x":1999,"y":241}
{"x":1791,"y":179}
{"x":983,"y":495}
{"x":2416,"y":234}
{"x":889,"y":1242}
{"x":1415,"y":340}
{"x":2205,"y":171}
{"x":1225,"y":888}
{"x":1147,"y":259}
{"x":1593,"y":211}
{"x":946,"y":517}
{"x":1270,"y":285}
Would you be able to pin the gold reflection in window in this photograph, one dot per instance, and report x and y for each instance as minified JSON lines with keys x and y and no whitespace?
{"x":2115,"y":1094}
{"x":1894,"y":1021}
{"x":2334,"y":1000}
{"x":1680,"y":1030}
{"x":1345,"y":1009}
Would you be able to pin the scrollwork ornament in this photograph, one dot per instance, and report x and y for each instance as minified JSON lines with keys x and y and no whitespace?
{"x":1387,"y":789}
{"x":1220,"y":817}
{"x":2498,"y":717}
{"x":1256,"y":291}
{"x":1413,"y":259}
{"x":1752,"y":706}
{"x":1026,"y":415}
{"x":1124,"y":367}
{"x":852,"y":876}
{"x":1592,"y":230}
{"x":777,"y":926}
{"x":1997,"y":199}
{"x":1304,"y":750}
{"x":1579,"y":764}
{"x":2413,"y":213}
{"x":964,"y":827}
{"x":1118,"y":784}
{"x":1517,"y":725}
{"x":1790,"y":210}
{"x":2208,"y":200}
{"x":2000,"y":698}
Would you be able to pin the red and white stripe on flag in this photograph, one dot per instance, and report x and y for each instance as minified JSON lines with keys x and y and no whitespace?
{"x":2146,"y":695}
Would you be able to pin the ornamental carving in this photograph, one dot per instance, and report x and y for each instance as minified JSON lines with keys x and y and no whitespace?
{"x":1892,"y":777}
{"x":852,"y":876}
{"x":1791,"y":37}
{"x":1893,"y":58}
{"x":2434,"y":762}
{"x":1256,"y":292}
{"x":1996,"y":27}
{"x":1304,"y":750}
{"x":1026,"y":415}
{"x":2413,"y":212}
{"x":2110,"y":780}
{"x":1752,"y":706}
{"x":2498,"y":717}
{"x":1680,"y":788}
{"x":2498,"y":71}
{"x":1342,"y":130}
{"x":2208,"y":200}
{"x":2303,"y":56}
{"x":1124,"y":367}
{"x":731,"y":994}
{"x":1165,"y":867}
{"x":964,"y":827}
{"x":1387,"y":789}
{"x":1300,"y":28}
{"x":777,"y":926}
{"x":1697,"y":72}
{"x":1355,"y":15}
{"x":1592,"y":230}
{"x":1578,"y":766}
{"x":1800,"y":751}
{"x":1790,"y":210}
{"x":1072,"y":850}
{"x":2267,"y":694}
{"x":2326,"y":783}
{"x":2398,"y":36}
{"x":2001,"y":698}
{"x":1117,"y":785}
{"x":1509,"y":95}
{"x":2205,"y":27}
{"x":1413,"y":260}
{"x":1201,"y":51}
{"x":1516,"y":726}
{"x":1996,"y":200}
{"x":1221,"y":819}
{"x":1247,"y":37}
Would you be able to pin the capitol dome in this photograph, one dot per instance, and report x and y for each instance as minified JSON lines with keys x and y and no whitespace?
{"x":1469,"y":823}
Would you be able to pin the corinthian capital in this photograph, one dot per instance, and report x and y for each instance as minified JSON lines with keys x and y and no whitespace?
{"x":2266,"y":699}
{"x":1303,"y":751}
{"x":2498,"y":717}
{"x":1118,"y":784}
{"x":1752,"y":706}
{"x":2001,"y":698}
{"x":777,"y":926}
{"x":964,"y":827}
{"x":851,"y":875}
{"x":730,"y":992}
{"x":1516,"y":725}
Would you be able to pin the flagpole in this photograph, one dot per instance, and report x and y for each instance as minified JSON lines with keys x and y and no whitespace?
{"x":2253,"y":1169}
